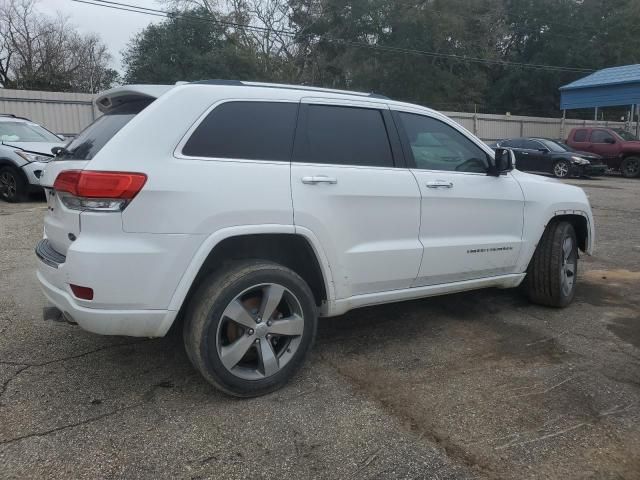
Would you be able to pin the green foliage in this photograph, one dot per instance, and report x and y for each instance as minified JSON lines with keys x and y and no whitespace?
{"x":380,"y":45}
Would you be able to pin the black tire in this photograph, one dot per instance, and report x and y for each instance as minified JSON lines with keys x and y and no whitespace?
{"x":13,"y":186}
{"x":544,"y":283}
{"x":205,"y":323}
{"x":561,"y":169}
{"x":630,"y":167}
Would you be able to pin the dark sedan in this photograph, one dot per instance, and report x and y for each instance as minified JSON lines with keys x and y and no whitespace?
{"x":541,"y":155}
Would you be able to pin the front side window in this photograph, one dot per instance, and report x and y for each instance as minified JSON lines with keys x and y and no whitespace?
{"x":343,"y":136}
{"x":11,"y":131}
{"x":602,"y":136}
{"x":438,"y":146}
{"x":245,"y":130}
{"x":581,"y":136}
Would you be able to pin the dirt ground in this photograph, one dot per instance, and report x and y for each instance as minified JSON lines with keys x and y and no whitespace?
{"x":477,"y":385}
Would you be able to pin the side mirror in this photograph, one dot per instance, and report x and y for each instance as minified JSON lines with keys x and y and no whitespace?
{"x":543,"y":150}
{"x":505,"y":161}
{"x":610,"y":141}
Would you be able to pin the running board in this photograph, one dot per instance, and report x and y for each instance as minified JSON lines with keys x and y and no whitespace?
{"x":339,"y":307}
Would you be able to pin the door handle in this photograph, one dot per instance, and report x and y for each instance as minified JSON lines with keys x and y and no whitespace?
{"x":319,"y":179}
{"x":439,"y":184}
{"x":524,"y":153}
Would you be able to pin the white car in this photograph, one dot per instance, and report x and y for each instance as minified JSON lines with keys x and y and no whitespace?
{"x":25,"y":149}
{"x":248,"y":210}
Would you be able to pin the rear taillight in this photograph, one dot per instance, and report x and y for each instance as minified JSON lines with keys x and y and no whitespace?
{"x":98,"y":191}
{"x":84,"y":293}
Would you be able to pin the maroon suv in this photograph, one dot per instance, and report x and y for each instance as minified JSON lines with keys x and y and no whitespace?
{"x":619,"y":149}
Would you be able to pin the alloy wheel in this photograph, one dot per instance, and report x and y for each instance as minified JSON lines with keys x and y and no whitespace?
{"x":8,"y":185}
{"x":260,"y":331}
{"x":561,"y":169}
{"x":632,"y":168}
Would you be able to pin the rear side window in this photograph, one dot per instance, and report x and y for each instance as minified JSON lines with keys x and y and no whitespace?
{"x":581,"y":136}
{"x":86,"y":145}
{"x":343,"y":136}
{"x":245,"y":130}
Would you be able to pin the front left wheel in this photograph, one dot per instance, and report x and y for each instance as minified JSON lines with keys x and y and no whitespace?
{"x":13,"y":187}
{"x":250,"y":326}
{"x":561,"y":169}
{"x":552,"y":273}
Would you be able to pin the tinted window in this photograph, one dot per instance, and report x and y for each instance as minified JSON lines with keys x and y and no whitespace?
{"x":343,"y":136}
{"x":437,"y":146}
{"x":510,"y":144}
{"x":86,"y":145}
{"x":580,"y":136}
{"x":245,"y":130}
{"x":531,"y":145}
{"x":600,"y":136}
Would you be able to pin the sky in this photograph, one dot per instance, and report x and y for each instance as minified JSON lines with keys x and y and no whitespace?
{"x":115,"y":27}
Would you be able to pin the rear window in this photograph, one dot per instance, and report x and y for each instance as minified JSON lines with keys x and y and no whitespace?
{"x":86,"y":145}
{"x":581,"y":136}
{"x":247,"y":131}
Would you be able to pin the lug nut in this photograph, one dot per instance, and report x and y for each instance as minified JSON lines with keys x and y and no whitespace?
{"x":269,"y":323}
{"x":251,"y":331}
{"x":257,"y":340}
{"x":258,"y":320}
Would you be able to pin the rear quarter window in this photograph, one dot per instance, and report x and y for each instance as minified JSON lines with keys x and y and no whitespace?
{"x":581,"y":136}
{"x":245,"y":130}
{"x":91,"y":140}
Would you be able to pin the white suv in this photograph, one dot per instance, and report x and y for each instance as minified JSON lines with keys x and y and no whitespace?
{"x":248,"y":210}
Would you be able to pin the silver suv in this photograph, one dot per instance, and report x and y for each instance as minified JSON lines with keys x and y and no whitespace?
{"x":25,"y":148}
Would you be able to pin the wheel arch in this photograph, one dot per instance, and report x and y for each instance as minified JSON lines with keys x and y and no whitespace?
{"x":283,"y":245}
{"x":580,"y":224}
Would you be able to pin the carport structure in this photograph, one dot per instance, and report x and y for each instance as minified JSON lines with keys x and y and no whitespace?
{"x":611,"y":87}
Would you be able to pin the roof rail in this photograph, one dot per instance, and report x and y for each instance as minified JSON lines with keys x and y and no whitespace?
{"x":239,"y":83}
{"x":11,"y":115}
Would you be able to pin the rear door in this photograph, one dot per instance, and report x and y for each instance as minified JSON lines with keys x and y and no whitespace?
{"x":61,"y":223}
{"x":352,"y":192}
{"x":580,"y":140}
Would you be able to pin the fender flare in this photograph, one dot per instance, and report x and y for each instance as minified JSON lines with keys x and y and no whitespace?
{"x":210,"y":242}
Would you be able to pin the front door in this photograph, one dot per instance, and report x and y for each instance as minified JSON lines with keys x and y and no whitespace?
{"x":471,"y":223}
{"x":350,"y":192}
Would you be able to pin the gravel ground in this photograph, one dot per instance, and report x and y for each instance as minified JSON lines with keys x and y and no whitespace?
{"x":477,"y":385}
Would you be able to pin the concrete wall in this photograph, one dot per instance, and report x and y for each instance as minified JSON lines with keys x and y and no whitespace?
{"x":69,"y":113}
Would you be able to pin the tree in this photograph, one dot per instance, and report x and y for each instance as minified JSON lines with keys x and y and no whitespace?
{"x":38,"y":52}
{"x":187,"y":47}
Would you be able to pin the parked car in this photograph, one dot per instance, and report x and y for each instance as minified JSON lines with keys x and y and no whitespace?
{"x":24,"y":152}
{"x":247,"y":210}
{"x":619,"y":149}
{"x":542,"y":155}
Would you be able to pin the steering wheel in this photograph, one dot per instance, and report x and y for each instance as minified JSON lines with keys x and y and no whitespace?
{"x":472,"y":165}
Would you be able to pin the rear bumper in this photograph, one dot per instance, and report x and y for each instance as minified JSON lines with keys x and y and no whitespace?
{"x":133,"y":323}
{"x":134,"y":277}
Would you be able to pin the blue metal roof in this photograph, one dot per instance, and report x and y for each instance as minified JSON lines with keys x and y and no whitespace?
{"x":609,"y":87}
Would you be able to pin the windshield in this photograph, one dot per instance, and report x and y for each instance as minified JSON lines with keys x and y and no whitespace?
{"x":91,"y":140}
{"x":626,"y":136}
{"x":25,"y":132}
{"x":554,"y":146}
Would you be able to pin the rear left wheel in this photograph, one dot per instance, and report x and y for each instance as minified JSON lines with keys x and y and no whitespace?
{"x":250,"y":327}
